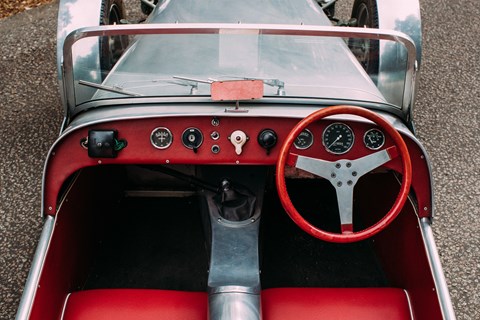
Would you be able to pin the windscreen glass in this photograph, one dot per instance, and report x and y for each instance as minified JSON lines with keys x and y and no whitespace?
{"x":162,"y":65}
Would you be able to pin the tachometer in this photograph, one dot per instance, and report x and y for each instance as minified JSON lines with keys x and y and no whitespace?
{"x":338,"y":138}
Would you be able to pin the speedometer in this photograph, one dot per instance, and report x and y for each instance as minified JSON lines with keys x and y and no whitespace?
{"x":338,"y":138}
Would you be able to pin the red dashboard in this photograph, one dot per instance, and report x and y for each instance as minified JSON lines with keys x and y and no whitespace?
{"x":225,"y":140}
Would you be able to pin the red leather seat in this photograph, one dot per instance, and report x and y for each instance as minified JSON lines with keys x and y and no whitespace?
{"x":135,"y":304}
{"x":335,"y":304}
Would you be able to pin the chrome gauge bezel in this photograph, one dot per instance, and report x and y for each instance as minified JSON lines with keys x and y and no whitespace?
{"x":343,"y":125}
{"x":200,"y":136}
{"x":367,"y":143}
{"x":169,"y":134}
{"x":306,"y":146}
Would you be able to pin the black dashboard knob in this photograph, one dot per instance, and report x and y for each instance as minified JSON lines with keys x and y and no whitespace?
{"x":267,"y":139}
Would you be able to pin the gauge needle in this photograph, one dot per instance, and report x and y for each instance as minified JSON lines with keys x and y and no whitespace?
{"x":338,"y":138}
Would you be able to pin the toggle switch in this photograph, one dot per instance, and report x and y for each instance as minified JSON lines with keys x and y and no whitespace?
{"x":238,"y":138}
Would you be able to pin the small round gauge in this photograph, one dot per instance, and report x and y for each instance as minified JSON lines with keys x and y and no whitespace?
{"x":161,"y":138}
{"x":304,"y":140}
{"x":192,"y":138}
{"x":338,"y":138}
{"x":374,"y":139}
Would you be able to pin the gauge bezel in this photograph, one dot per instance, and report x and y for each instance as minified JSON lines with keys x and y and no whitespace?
{"x":365,"y":136}
{"x":309,"y":145}
{"x":164,"y":147}
{"x":201,"y":138}
{"x":346,"y":126}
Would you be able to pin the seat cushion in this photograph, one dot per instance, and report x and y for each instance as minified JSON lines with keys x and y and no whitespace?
{"x":138,"y":304}
{"x":335,"y":303}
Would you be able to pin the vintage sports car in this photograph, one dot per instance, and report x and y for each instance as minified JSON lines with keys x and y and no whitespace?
{"x":245,"y":160}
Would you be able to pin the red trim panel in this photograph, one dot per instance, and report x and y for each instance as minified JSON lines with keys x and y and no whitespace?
{"x":69,"y":156}
{"x":136,"y":304}
{"x":335,"y":303}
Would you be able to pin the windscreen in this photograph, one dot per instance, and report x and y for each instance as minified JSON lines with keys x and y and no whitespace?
{"x":292,"y":66}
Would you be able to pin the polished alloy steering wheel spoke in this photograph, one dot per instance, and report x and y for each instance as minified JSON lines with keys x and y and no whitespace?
{"x":343,"y":175}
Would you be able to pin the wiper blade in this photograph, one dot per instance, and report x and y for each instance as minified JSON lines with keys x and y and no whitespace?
{"x":109,"y":88}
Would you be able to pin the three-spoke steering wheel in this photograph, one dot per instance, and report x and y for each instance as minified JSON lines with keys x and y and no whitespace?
{"x":343,"y":175}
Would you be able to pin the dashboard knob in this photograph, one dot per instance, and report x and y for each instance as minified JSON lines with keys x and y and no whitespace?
{"x":238,"y":138}
{"x":267,"y":139}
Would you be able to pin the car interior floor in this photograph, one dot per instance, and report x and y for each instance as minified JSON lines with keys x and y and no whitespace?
{"x":161,"y":243}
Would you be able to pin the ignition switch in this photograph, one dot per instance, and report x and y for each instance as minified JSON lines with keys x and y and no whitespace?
{"x":192,"y":138}
{"x":238,"y":138}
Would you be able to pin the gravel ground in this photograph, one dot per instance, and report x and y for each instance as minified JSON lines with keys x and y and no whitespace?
{"x":11,"y":7}
{"x":447,"y":118}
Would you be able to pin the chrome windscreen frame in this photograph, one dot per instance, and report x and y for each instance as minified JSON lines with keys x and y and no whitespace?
{"x":263,"y":29}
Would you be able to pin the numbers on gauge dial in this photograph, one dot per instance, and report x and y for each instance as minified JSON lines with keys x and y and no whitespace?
{"x":338,"y":138}
{"x":374,"y":139}
{"x":304,"y":140}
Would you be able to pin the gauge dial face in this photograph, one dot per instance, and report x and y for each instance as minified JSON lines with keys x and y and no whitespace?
{"x":338,"y":138}
{"x":304,"y":140}
{"x":192,"y":138}
{"x":374,"y":139}
{"x":161,"y":138}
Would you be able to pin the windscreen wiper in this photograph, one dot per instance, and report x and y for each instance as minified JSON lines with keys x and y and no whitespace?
{"x":273,"y":83}
{"x":119,"y":90}
{"x":192,"y":82}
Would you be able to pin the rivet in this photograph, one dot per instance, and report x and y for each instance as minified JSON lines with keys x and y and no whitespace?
{"x":349,"y":182}
{"x":354,"y":173}
{"x":349,"y":164}
{"x":237,"y":162}
{"x":339,"y":183}
{"x":99,"y":161}
{"x":167,"y":161}
{"x":333,"y":175}
{"x":338,"y":165}
{"x":50,"y":208}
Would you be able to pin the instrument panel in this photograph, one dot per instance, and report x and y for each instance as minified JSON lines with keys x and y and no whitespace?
{"x":243,"y":138}
{"x":207,"y":140}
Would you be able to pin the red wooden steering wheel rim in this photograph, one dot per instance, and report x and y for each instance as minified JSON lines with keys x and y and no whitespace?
{"x":382,"y":223}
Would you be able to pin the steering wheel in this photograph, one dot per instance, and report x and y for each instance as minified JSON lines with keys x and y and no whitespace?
{"x":343,"y":175}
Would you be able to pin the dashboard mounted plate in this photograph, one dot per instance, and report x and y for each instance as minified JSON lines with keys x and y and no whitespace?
{"x":236,"y":90}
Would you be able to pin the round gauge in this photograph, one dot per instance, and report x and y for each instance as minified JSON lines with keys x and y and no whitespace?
{"x":192,"y":138}
{"x":374,"y":139}
{"x":161,"y":138}
{"x":304,"y":140}
{"x":338,"y":138}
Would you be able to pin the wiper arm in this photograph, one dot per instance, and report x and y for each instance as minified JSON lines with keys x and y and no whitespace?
{"x":275,"y":83}
{"x":192,"y":82}
{"x":272,"y":83}
{"x":109,"y":88}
